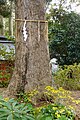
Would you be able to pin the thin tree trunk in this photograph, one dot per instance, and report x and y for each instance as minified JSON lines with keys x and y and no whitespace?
{"x":32,"y":57}
{"x":11,"y":19}
{"x":2,"y":30}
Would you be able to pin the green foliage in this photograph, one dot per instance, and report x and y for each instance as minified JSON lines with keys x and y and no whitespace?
{"x":4,"y":83}
{"x":64,"y":37}
{"x":23,"y":97}
{"x":4,"y":78}
{"x":6,"y":55}
{"x":6,"y":72}
{"x":69,"y":77}
{"x":59,"y":95}
{"x":4,"y":8}
{"x":11,"y":38}
{"x":1,"y":25}
{"x":28,"y":97}
{"x":2,"y":1}
{"x":55,"y":112}
{"x":10,"y":109}
{"x":50,"y":95}
{"x":48,"y":1}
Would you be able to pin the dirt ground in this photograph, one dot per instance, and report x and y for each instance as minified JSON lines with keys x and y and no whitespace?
{"x":75,"y":95}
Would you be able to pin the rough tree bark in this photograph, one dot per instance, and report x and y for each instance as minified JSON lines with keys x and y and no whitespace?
{"x":32,"y":69}
{"x":11,"y":19}
{"x":2,"y":30}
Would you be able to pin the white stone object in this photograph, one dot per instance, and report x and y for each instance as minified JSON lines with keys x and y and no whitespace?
{"x":54,"y":65}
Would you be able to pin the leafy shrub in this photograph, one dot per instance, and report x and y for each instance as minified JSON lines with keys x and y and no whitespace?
{"x":55,"y":112}
{"x":4,"y":83}
{"x":6,"y":66}
{"x":28,"y":97}
{"x":10,"y":109}
{"x":23,"y":97}
{"x":50,"y":95}
{"x":69,"y":77}
{"x":64,"y":37}
{"x":57,"y":95}
{"x":4,"y":54}
{"x":11,"y":38}
{"x":5,"y":74}
{"x":4,"y":78}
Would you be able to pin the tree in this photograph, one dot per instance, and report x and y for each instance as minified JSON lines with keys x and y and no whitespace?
{"x":2,"y":25}
{"x":11,"y":17}
{"x":32,"y":58}
{"x":64,"y":36}
{"x":4,"y":8}
{"x":4,"y":12}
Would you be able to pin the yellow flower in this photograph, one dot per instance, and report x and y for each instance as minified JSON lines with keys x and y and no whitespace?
{"x":73,"y":101}
{"x":29,"y":99}
{"x":77,"y":101}
{"x":31,"y":95}
{"x":54,"y":108}
{"x":62,"y":110}
{"x":61,"y":88}
{"x":36,"y":92}
{"x":54,"y":91}
{"x":39,"y":109}
{"x":69,"y":112}
{"x":49,"y":88}
{"x":6,"y":99}
{"x":71,"y":107}
{"x":58,"y":115}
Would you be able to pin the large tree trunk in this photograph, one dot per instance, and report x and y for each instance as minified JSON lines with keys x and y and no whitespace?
{"x":32,"y":57}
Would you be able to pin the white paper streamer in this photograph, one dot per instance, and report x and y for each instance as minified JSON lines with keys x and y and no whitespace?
{"x":25,"y":33}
